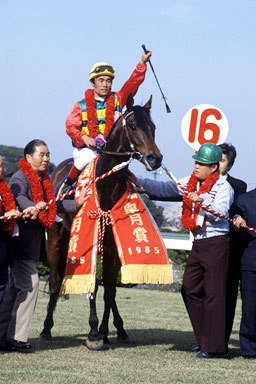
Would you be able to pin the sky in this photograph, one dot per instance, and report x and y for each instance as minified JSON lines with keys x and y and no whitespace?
{"x":203,"y":52}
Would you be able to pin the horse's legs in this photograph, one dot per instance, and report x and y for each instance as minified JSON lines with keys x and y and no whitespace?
{"x":94,"y":341}
{"x":93,"y":318}
{"x":48,"y":322}
{"x":56,"y":255}
{"x":111,"y":268}
{"x":110,"y":303}
{"x":107,"y":307}
{"x":118,"y":323}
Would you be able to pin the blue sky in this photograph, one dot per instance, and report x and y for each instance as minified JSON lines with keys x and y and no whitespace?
{"x":203,"y":53}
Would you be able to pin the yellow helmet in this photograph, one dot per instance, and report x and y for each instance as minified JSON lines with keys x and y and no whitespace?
{"x":101,"y":69}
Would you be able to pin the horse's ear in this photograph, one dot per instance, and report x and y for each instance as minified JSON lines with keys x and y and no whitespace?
{"x":148,"y":103}
{"x":129,"y":102}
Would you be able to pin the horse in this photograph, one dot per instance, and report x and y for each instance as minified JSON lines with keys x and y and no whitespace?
{"x":133,"y":134}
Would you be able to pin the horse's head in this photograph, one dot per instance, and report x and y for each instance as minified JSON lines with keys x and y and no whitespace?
{"x":135,"y":131}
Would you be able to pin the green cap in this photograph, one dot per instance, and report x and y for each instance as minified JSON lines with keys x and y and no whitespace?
{"x":208,"y":153}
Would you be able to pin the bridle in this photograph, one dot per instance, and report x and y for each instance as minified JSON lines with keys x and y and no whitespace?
{"x":133,"y":153}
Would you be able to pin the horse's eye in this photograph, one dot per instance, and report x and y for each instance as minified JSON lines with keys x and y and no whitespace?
{"x":133,"y":127}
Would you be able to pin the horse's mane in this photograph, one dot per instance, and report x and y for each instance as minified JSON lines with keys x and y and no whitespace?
{"x":141,"y":118}
{"x":113,"y":126}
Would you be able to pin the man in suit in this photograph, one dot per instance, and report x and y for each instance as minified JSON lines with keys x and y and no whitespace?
{"x":226,"y":163}
{"x":245,"y":208}
{"x":32,"y":190}
{"x":8,"y":208}
{"x":236,"y":240}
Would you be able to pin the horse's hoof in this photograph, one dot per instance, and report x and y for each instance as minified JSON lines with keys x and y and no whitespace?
{"x":95,"y":345}
{"x":106,"y":344}
{"x":106,"y":347}
{"x":124,"y":340}
{"x":45,"y":337}
{"x":64,"y":297}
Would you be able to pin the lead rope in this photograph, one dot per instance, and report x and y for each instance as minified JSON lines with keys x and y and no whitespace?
{"x":116,"y":168}
{"x":181,"y":187}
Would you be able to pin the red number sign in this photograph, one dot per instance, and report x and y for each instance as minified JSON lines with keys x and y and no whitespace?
{"x":204,"y":124}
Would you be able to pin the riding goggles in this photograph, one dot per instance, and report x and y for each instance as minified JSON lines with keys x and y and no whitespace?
{"x":105,"y":70}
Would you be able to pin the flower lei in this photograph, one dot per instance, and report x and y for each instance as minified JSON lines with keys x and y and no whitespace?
{"x":8,"y":203}
{"x":190,"y":210}
{"x":46,"y":217}
{"x":92,"y":123}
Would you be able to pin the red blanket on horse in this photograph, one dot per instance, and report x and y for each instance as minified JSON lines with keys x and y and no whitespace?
{"x":141,"y":250}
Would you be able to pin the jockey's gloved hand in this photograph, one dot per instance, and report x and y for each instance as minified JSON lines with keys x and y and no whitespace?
{"x":100,"y":142}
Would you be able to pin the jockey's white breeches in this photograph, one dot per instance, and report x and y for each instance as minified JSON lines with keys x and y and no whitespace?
{"x":82,"y":157}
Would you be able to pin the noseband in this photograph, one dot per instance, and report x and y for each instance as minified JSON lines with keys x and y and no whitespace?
{"x":134,"y":154}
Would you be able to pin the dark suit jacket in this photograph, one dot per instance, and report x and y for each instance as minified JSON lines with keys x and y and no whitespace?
{"x":31,"y":239}
{"x":245,"y":206}
{"x":3,"y":237}
{"x":239,"y":186}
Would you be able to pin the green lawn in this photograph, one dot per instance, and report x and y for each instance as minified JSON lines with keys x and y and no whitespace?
{"x":159,"y":328}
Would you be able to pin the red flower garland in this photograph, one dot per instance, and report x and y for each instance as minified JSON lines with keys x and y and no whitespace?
{"x":92,"y":123}
{"x":189,"y":210}
{"x":8,"y":203}
{"x":46,"y":217}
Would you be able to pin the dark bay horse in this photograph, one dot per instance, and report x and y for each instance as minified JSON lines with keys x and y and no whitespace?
{"x":133,"y":134}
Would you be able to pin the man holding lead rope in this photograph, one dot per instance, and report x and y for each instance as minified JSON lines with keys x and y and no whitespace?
{"x":205,"y":277}
{"x":33,"y":193}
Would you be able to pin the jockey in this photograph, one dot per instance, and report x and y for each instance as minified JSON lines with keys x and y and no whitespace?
{"x":92,"y":118}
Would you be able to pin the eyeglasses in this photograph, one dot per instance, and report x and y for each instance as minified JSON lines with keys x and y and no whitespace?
{"x":103,"y":68}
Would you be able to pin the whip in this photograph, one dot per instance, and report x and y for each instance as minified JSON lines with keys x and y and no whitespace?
{"x":168,"y":109}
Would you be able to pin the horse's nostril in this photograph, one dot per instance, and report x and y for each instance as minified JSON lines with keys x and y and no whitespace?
{"x":155,"y":158}
{"x":151,"y":157}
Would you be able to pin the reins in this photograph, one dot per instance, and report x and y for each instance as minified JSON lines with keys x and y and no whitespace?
{"x":133,"y":153}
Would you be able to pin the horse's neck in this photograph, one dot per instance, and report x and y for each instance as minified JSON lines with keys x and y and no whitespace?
{"x":111,"y":188}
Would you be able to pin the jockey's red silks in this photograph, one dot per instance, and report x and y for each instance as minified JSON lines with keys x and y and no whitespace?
{"x":141,"y":250}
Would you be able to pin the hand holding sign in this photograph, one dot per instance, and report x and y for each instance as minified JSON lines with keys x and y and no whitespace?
{"x":204,"y":123}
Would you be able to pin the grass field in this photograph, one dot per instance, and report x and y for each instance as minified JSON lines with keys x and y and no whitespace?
{"x":162,"y":338}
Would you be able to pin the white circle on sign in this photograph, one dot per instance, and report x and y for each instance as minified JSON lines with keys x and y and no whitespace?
{"x":202,"y":124}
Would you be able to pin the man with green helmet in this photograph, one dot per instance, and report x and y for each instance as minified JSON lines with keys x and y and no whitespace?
{"x":205,"y":277}
{"x":92,"y":118}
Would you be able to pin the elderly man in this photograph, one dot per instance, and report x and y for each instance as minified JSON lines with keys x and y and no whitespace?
{"x":32,"y":191}
{"x":205,"y":277}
